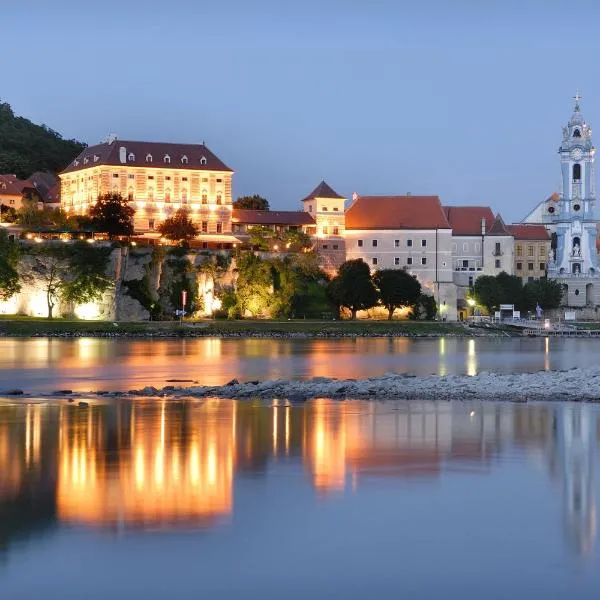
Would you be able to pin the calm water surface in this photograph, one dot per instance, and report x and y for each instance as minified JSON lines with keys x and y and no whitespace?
{"x":222,"y":499}
{"x":93,"y":364}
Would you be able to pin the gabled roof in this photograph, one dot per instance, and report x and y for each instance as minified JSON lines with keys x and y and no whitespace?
{"x":181,"y":156}
{"x":466,"y":220}
{"x":498,"y":227}
{"x":11,"y":185}
{"x":528,"y":232}
{"x":323,"y":190}
{"x":43,"y":183}
{"x":271,"y":217}
{"x":396,"y":212}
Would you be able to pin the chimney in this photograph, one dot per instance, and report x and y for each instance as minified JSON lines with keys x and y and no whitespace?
{"x":123,"y":155}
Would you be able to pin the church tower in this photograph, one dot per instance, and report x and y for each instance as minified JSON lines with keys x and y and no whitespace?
{"x":571,"y":215}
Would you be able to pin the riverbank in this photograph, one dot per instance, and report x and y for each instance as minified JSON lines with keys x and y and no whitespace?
{"x":32,"y":327}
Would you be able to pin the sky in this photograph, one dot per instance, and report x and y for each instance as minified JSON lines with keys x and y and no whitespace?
{"x":464,"y":99}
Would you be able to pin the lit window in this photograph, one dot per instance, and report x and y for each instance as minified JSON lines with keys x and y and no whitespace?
{"x":204,"y":197}
{"x":184,"y":196}
{"x":325,"y":230}
{"x":219,"y":227}
{"x":204,"y":226}
{"x":150,"y":223}
{"x":336,"y":231}
{"x":150,"y":194}
{"x":167,"y":195}
{"x":219,"y":199}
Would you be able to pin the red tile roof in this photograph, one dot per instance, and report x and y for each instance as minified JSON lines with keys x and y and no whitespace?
{"x":13,"y":186}
{"x":466,"y":220}
{"x":271,"y":217}
{"x":323,"y":190}
{"x":498,"y":227}
{"x":528,"y":232}
{"x":198,"y":156}
{"x":396,"y":212}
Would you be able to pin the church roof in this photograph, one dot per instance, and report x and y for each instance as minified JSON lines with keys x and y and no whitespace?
{"x":531,"y":232}
{"x":396,"y":212}
{"x":466,"y":220}
{"x":323,"y":190}
{"x":159,"y":154}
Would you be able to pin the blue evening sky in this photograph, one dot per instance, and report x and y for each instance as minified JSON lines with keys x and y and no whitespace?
{"x":464,"y":99}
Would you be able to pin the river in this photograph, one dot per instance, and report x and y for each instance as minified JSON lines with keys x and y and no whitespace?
{"x":92,"y":364}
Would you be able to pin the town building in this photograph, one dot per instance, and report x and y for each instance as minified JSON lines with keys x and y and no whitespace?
{"x":532,"y":249}
{"x":15,"y":191}
{"x":278,"y":221}
{"x":405,"y":232}
{"x":157,"y":178}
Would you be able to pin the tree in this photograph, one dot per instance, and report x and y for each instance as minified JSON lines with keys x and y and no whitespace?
{"x":9,"y":277}
{"x":255,"y":202}
{"x":353,"y":287}
{"x":396,"y":288}
{"x":179,"y":227}
{"x":512,"y":289}
{"x":50,"y":268}
{"x":254,"y":285}
{"x":112,"y":215}
{"x":545,"y":292}
{"x":487,"y":292}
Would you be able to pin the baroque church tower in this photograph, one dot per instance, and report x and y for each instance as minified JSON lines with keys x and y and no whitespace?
{"x":571,"y":215}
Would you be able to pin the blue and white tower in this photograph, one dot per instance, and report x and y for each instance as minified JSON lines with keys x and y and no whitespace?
{"x":571,"y":216}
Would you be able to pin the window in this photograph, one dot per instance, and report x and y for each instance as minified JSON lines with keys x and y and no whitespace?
{"x":519,"y":250}
{"x":184,"y":160}
{"x":150,"y":194}
{"x":204,"y":179}
{"x":423,"y":243}
{"x":470,"y":280}
{"x":497,"y":249}
{"x":409,"y":260}
{"x":530,"y":266}
{"x":374,"y":260}
{"x":336,"y":231}
{"x":542,"y":266}
{"x":184,"y":196}
{"x":115,"y":174}
{"x":167,"y":195}
{"x":519,"y":266}
{"x":203,"y":160}
{"x":465,"y":247}
{"x":423,"y":260}
{"x":396,"y":243}
{"x":497,"y":263}
{"x":409,"y":243}
{"x":529,"y":250}
{"x":576,"y":172}
{"x":454,"y":247}
{"x":204,"y":226}
{"x":219,"y":181}
{"x":324,"y":208}
{"x":577,"y":133}
{"x":204,"y":197}
{"x":167,"y":178}
{"x":11,"y":201}
{"x":325,"y":230}
{"x":148,"y":157}
{"x":131,"y":176}
{"x":542,"y":250}
{"x":359,"y":243}
{"x":396,"y":260}
{"x":150,"y":176}
{"x":130,"y":195}
{"x":325,"y":246}
{"x":184,"y":179}
{"x":167,"y":159}
{"x":150,"y":223}
{"x":477,"y":247}
{"x":130,"y":158}
{"x":310,"y":208}
{"x":219,"y":227}
{"x":465,"y":264}
{"x":219,"y":199}
{"x":335,"y":246}
{"x":335,"y":209}
{"x":374,"y":243}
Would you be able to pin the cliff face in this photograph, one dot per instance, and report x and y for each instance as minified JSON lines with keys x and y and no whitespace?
{"x":147,"y":282}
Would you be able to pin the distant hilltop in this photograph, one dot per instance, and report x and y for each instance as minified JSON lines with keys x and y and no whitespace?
{"x":26,"y":148}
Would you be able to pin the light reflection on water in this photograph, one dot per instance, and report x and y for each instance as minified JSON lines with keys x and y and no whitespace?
{"x":91,"y":364}
{"x":524,"y":472}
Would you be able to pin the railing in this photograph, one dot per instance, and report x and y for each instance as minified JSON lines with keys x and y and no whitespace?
{"x":554,"y":275}
{"x":498,"y":253}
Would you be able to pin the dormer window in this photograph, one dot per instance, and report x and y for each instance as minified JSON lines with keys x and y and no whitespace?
{"x":203,"y":160}
{"x":167,"y":159}
{"x":131,"y":157}
{"x":148,"y":157}
{"x":184,"y":160}
{"x":577,"y":133}
{"x":96,"y":158}
{"x":76,"y":163}
{"x":86,"y":160}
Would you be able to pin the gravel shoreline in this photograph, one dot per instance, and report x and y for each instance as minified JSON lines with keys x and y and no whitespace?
{"x":581,"y":385}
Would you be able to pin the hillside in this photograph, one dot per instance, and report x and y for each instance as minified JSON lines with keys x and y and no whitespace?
{"x":26,"y":148}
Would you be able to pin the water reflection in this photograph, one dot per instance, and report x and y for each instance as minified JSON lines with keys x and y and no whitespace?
{"x":171,"y":464}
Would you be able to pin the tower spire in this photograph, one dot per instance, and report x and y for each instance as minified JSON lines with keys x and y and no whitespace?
{"x":577,"y":97}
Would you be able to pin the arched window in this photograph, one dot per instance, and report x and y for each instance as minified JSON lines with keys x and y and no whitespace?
{"x":167,"y":195}
{"x":576,"y":172}
{"x":150,"y":194}
{"x":219,"y":199}
{"x":148,"y":157}
{"x":184,"y":160}
{"x":131,"y":157}
{"x":130,"y":194}
{"x":167,"y":159}
{"x":204,"y":197}
{"x":577,"y":133}
{"x":184,"y":196}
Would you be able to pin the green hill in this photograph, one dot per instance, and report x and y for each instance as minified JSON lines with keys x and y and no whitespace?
{"x":26,"y":148}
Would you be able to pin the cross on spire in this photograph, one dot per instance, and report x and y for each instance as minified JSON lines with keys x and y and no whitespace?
{"x":577,"y":97}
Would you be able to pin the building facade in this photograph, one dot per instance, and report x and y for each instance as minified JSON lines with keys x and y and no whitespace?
{"x":156,"y":178}
{"x":532,"y":249}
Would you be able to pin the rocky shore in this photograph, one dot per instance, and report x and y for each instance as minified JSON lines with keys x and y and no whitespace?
{"x":573,"y":385}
